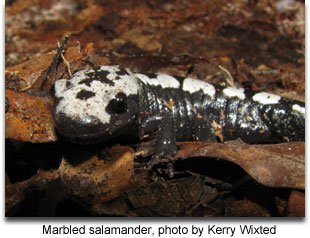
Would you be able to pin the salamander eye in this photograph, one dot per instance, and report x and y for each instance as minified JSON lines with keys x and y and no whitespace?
{"x":119,"y":103}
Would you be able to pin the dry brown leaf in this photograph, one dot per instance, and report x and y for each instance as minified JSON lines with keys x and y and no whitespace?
{"x":296,"y":204}
{"x":276,"y":165}
{"x":87,"y":17}
{"x":144,"y":41}
{"x":96,"y":181}
{"x":30,"y":74}
{"x":23,"y":76}
{"x":29,"y":118}
{"x":246,"y":208}
{"x":15,"y":193}
{"x":167,"y":198}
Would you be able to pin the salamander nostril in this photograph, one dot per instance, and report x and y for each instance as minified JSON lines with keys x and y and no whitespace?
{"x":95,"y":121}
{"x":89,"y":120}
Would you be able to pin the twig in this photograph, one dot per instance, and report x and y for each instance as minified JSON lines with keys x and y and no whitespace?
{"x":55,"y":61}
{"x":67,"y":63}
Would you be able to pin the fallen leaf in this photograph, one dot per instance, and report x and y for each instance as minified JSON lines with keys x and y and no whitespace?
{"x":16,"y":193}
{"x":167,"y":198}
{"x":23,"y":76}
{"x":97,"y":180}
{"x":245,"y":208}
{"x":296,"y":204}
{"x":87,"y":17}
{"x":29,"y":118}
{"x":144,"y":41}
{"x":276,"y":165}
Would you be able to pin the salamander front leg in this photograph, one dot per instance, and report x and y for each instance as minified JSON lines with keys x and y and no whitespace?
{"x":165,"y":146}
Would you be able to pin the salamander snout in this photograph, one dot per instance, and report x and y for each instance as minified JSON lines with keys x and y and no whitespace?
{"x":80,"y":129}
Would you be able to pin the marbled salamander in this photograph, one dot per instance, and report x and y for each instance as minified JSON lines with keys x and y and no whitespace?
{"x":104,"y":102}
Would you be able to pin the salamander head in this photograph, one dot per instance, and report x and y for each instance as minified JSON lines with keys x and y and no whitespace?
{"x":95,"y":104}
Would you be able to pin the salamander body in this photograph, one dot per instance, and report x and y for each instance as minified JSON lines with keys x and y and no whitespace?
{"x":108,"y":101}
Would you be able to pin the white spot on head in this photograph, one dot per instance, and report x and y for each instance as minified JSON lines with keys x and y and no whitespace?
{"x":60,"y":86}
{"x":74,"y":107}
{"x":234,"y":92}
{"x":266,"y":98}
{"x":299,"y":109}
{"x":195,"y":85}
{"x":163,"y":80}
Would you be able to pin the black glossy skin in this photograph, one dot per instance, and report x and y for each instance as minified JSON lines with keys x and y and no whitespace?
{"x":195,"y":117}
{"x":178,"y":115}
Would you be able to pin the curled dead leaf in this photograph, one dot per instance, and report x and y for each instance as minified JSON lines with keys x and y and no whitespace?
{"x":97,"y":180}
{"x":276,"y":165}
